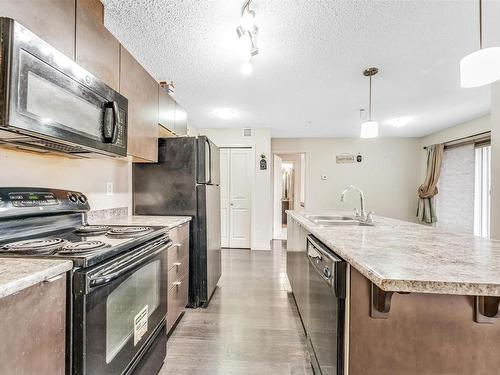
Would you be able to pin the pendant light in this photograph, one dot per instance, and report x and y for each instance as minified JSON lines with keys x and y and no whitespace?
{"x":481,"y":67}
{"x":369,"y":129}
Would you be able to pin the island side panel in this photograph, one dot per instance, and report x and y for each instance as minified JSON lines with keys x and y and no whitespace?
{"x":424,"y":334}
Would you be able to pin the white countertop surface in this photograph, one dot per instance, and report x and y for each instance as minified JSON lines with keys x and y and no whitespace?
{"x":166,"y":221}
{"x":408,"y":257}
{"x":17,"y":274}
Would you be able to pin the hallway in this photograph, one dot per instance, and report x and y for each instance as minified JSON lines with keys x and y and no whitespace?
{"x":250,"y":327}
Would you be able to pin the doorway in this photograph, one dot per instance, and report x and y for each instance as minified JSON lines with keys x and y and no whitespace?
{"x":289,"y":189}
{"x":236,"y":196}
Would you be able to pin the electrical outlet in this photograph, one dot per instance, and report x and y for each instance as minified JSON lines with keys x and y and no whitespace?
{"x":324,"y":177}
{"x":109,"y":188}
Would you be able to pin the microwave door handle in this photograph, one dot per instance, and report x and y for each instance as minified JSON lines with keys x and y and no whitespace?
{"x":116,"y":120}
{"x":110,"y":122}
{"x":119,"y":270}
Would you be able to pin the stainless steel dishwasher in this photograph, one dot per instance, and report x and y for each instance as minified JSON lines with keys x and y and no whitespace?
{"x":326,"y":307}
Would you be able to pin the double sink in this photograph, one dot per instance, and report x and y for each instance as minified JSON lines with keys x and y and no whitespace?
{"x":336,"y":220}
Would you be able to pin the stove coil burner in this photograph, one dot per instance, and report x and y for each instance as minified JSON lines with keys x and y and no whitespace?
{"x":128,"y":231}
{"x":82,"y":247}
{"x":91,"y":230}
{"x":35,"y":246}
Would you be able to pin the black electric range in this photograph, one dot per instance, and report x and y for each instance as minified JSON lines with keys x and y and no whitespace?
{"x":116,"y":318}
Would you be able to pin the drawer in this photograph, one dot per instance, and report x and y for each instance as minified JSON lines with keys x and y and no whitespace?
{"x":177,"y":270}
{"x":177,"y":301}
{"x":180,"y":247}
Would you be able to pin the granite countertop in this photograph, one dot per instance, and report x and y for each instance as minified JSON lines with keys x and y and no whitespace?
{"x":406,"y":257}
{"x":17,"y":274}
{"x":166,"y":221}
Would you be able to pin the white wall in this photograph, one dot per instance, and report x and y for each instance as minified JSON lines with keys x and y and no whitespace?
{"x":90,"y":176}
{"x":388,"y":174}
{"x":261,"y":198}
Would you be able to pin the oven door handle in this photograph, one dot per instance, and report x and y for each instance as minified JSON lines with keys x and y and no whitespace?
{"x":136,"y":260}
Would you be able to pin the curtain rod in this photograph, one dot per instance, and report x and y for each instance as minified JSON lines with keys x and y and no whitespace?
{"x":462,"y":139}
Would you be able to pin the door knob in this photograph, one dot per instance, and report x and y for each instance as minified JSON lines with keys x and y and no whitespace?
{"x":231,"y":204}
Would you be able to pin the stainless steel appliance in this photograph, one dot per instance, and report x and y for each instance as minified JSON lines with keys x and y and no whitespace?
{"x":185,"y":181}
{"x":118,"y":285}
{"x":326,"y":308}
{"x":48,"y":102}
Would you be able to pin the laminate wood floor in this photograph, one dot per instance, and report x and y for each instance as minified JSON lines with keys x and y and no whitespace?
{"x":251,"y":325}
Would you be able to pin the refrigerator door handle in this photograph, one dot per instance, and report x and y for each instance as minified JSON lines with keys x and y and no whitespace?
{"x":208,"y":166}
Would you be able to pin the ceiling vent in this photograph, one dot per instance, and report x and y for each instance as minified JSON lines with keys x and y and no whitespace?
{"x":247,"y":132}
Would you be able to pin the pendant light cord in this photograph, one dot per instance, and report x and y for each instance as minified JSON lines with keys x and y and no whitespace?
{"x":370,"y":101}
{"x":480,"y":24}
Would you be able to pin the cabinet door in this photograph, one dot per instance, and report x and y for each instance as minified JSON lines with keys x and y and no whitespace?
{"x":97,"y":50}
{"x":51,"y":20}
{"x":141,"y":90}
{"x":33,"y":329}
{"x":166,"y":110}
{"x":180,"y":120}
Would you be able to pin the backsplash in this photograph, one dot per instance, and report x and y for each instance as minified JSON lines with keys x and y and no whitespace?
{"x":107,"y":213}
{"x":93,"y":177}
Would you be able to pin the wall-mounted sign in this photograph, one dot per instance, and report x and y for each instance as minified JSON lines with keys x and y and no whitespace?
{"x":346,"y":158}
{"x":263,"y":162}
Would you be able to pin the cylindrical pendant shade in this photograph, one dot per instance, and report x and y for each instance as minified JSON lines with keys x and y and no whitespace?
{"x":369,"y":129}
{"x":480,"y":68}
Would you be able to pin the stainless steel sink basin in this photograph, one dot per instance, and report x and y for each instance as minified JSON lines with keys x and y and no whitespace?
{"x":336,"y":220}
{"x":328,"y":217}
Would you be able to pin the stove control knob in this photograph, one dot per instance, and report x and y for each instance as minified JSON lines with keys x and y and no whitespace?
{"x":327,"y":272}
{"x":82,"y":199}
{"x":72,"y":197}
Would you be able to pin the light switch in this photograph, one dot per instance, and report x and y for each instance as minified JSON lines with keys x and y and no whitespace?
{"x":324,"y":177}
{"x":109,"y":188}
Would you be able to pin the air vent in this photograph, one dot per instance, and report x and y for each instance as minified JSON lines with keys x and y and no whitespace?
{"x":247,"y":132}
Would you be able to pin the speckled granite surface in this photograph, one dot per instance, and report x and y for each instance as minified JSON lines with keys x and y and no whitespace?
{"x":407,"y":257}
{"x":17,"y":274}
{"x":167,"y":221}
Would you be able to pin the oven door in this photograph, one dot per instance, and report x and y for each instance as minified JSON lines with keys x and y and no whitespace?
{"x":50,"y":97}
{"x":117,"y":308}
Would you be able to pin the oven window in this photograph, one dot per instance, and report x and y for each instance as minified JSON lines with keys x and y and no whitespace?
{"x":126,"y":303}
{"x":53,"y":104}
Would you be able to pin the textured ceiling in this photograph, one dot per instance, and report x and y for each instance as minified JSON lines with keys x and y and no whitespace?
{"x":307,"y":79}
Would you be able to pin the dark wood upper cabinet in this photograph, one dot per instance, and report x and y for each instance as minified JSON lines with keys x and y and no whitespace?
{"x":97,"y":50}
{"x":141,"y":90}
{"x":51,"y":20}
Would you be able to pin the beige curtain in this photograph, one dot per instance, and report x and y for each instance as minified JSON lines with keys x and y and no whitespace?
{"x":426,"y":191}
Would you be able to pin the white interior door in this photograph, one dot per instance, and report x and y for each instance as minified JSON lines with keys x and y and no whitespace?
{"x":224,"y":195}
{"x":240,"y":182}
{"x":278,"y":188}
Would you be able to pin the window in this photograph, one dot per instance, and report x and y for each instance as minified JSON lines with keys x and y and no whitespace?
{"x":482,"y":189}
{"x":463,"y":199}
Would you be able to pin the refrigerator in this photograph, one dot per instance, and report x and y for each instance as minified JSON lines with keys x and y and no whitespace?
{"x":185,"y":182}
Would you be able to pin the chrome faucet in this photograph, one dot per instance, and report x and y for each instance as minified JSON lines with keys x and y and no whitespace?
{"x":359,"y":214}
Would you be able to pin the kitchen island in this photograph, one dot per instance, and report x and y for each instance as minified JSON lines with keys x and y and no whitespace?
{"x":419,"y":300}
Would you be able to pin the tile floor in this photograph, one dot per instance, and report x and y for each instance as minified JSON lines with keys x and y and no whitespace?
{"x":251,"y":325}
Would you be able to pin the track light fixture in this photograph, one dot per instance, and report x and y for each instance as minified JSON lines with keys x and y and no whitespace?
{"x":247,"y":32}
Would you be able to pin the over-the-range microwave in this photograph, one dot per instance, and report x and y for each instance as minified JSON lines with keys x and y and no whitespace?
{"x":50,"y":103}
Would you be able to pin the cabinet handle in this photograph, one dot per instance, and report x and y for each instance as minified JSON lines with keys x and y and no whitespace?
{"x":177,"y":245}
{"x":177,"y":283}
{"x":177,"y":264}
